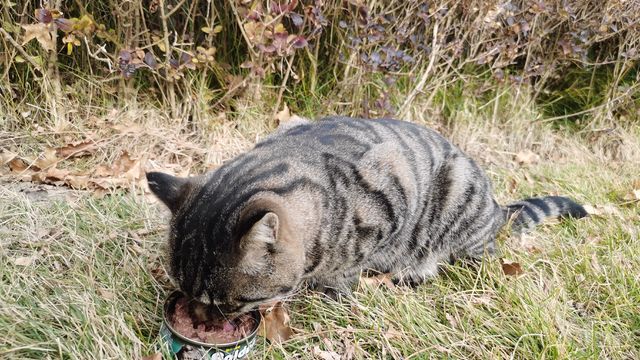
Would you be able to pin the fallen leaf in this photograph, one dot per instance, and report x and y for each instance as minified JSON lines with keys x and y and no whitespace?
{"x":123,"y":164}
{"x":284,"y":115}
{"x":392,"y":333}
{"x":6,"y":157}
{"x":527,"y":157}
{"x":103,"y":171}
{"x":156,"y":356}
{"x":80,"y":149}
{"x":135,"y":172}
{"x":19,"y":165}
{"x":379,"y":280}
{"x":325,"y":355}
{"x":349,"y":350}
{"x":47,"y":158}
{"x":483,"y":299}
{"x":25,"y":260}
{"x":52,"y":175}
{"x":128,"y":128}
{"x":452,"y":320}
{"x":526,"y":242}
{"x":106,"y":294}
{"x":595,"y":264}
{"x":632,"y":196}
{"x":275,"y":324}
{"x":511,"y":268}
{"x":78,"y":182}
{"x":442,"y":349}
{"x":602,"y":210}
{"x":512,"y":186}
{"x":40,"y":32}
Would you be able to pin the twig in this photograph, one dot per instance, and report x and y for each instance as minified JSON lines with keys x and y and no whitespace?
{"x":20,"y":49}
{"x":167,"y":44}
{"x":175,"y":8}
{"x":94,"y":55}
{"x":427,"y":72}
{"x":283,"y":86}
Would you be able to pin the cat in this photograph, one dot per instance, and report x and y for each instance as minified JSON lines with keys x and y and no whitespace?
{"x":321,"y":201}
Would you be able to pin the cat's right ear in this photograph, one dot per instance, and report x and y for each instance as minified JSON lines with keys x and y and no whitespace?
{"x":169,"y":189}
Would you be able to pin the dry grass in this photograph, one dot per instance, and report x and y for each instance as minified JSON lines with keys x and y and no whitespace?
{"x":80,"y":274}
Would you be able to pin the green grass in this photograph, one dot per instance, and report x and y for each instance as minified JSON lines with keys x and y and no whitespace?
{"x":91,"y":290}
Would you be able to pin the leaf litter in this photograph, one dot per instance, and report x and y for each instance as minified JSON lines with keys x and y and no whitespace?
{"x":511,"y":268}
{"x":275,"y":323}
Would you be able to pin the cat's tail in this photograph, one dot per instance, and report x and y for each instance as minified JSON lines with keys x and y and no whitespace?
{"x":525,"y":214}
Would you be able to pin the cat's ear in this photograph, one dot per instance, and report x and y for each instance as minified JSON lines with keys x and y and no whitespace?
{"x":257,"y":241}
{"x":169,"y":189}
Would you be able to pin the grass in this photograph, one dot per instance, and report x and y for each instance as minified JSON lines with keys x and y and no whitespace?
{"x":82,"y":275}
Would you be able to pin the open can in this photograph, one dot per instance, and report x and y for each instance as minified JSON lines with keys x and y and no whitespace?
{"x":186,"y":349}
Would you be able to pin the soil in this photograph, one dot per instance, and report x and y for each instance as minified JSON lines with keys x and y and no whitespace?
{"x":212,"y":328}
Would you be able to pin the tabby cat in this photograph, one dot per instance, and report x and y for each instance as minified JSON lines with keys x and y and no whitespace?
{"x":319,"y":202}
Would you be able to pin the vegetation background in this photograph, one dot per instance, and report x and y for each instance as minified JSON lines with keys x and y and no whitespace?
{"x":544,"y":94}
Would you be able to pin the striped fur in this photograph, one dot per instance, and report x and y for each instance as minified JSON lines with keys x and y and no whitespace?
{"x":322,"y":201}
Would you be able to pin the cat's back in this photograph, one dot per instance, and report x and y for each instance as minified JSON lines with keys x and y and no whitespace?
{"x":353,"y":138}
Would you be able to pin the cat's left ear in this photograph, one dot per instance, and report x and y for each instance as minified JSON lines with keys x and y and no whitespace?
{"x":257,"y":241}
{"x":169,"y":189}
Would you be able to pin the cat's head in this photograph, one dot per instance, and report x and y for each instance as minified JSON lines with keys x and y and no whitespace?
{"x":227,"y":250}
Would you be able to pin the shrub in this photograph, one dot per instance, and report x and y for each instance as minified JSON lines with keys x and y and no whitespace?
{"x":370,"y":58}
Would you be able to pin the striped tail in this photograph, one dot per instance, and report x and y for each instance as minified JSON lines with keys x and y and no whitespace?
{"x":527,"y":213}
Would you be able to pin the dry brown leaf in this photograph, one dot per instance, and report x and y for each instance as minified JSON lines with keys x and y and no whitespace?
{"x":526,"y":242}
{"x":156,"y":356}
{"x":379,"y":280}
{"x":40,"y":32}
{"x":135,"y":172}
{"x":349,"y":350}
{"x":633,"y":195}
{"x":484,"y":299}
{"x":392,"y":333}
{"x":451,"y":319}
{"x":527,"y":157}
{"x":284,"y":115}
{"x":57,"y":174}
{"x":511,"y":268}
{"x":324,"y":354}
{"x":602,"y":210}
{"x":442,"y":349}
{"x":106,"y":294}
{"x":595,"y":264}
{"x":18,"y":165}
{"x":103,"y":171}
{"x":52,"y":175}
{"x":47,"y":158}
{"x":512,"y":186}
{"x":78,"y":182}
{"x":275,"y":323}
{"x":6,"y":157}
{"x":80,"y":149}
{"x":25,"y":260}
{"x":128,"y":128}
{"x":123,"y":164}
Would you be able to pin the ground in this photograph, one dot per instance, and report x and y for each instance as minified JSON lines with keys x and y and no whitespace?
{"x":82,"y":274}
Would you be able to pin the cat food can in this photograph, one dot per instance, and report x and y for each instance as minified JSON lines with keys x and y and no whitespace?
{"x":185,"y":348}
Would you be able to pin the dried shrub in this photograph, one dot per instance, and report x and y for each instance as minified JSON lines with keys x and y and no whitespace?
{"x":370,"y":58}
